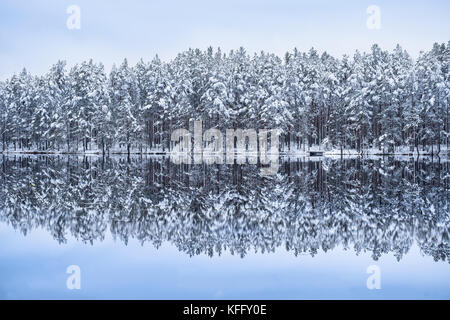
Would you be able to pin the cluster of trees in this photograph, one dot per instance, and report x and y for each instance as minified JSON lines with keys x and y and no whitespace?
{"x":380,"y":100}
{"x":378,"y":206}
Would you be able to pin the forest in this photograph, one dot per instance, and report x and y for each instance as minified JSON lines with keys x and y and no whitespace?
{"x":378,"y":100}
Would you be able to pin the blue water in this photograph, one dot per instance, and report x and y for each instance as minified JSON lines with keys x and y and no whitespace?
{"x":34,"y":267}
{"x":40,"y":239}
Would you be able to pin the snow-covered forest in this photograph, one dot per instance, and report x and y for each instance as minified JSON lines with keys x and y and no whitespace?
{"x":379,"y":206}
{"x":378,"y":100}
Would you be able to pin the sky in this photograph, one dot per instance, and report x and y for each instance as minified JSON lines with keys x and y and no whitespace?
{"x":34,"y":34}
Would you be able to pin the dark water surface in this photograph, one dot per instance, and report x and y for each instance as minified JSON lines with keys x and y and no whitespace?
{"x":147,"y":228}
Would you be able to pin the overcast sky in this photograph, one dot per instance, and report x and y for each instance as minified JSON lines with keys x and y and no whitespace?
{"x":33,"y":34}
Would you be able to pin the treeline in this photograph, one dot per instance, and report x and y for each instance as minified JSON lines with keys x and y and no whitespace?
{"x":378,"y":100}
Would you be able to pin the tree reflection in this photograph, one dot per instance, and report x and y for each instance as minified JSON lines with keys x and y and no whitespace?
{"x":379,"y":206}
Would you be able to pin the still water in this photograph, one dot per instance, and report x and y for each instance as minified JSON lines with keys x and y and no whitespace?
{"x":145,"y":228}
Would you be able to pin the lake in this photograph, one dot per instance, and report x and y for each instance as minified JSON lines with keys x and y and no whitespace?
{"x":146,"y":228}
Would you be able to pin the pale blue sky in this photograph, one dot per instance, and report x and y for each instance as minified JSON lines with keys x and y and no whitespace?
{"x":33,"y":34}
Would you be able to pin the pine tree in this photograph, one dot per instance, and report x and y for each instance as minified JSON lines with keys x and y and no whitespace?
{"x":124,"y":100}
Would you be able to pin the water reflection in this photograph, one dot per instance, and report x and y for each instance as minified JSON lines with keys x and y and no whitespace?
{"x":381,"y":206}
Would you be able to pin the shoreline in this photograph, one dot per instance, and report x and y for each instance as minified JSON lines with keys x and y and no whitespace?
{"x":312,"y":153}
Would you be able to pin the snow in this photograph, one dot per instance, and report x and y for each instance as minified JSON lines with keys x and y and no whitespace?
{"x":376,"y":102}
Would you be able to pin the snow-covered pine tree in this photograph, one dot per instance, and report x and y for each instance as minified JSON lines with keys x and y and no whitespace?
{"x":124,"y":101}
